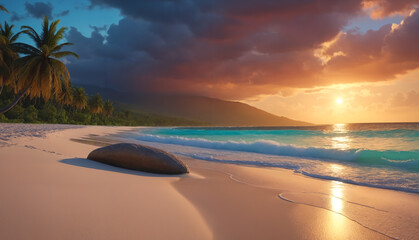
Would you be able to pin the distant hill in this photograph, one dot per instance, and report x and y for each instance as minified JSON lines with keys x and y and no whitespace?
{"x":203,"y":109}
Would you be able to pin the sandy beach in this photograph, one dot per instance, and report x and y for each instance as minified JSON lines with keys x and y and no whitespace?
{"x":196,"y":120}
{"x":49,"y":190}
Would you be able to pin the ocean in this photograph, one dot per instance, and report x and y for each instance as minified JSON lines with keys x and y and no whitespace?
{"x":383,"y":155}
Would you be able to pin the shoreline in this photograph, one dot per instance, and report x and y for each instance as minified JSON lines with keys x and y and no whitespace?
{"x":332,"y":159}
{"x":333,"y":165}
{"x":223,"y":201}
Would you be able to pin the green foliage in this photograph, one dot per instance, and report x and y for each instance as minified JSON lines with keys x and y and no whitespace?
{"x":15,"y":113}
{"x":39,"y":111}
{"x":61,"y":116}
{"x":37,"y":71}
{"x":30,"y":114}
{"x":79,"y":98}
{"x":40,"y":68}
{"x":48,"y":113}
{"x":108,"y":108}
{"x":3,"y":118}
{"x":7,"y":53}
{"x":82,"y":118}
{"x":96,"y":104}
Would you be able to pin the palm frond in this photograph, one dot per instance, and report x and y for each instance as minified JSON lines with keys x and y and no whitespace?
{"x":15,"y":37}
{"x":79,"y":98}
{"x":59,"y":46}
{"x":64,"y":54}
{"x":66,"y":96}
{"x":108,"y":108}
{"x":45,"y":30}
{"x":32,"y":34}
{"x":3,"y":9}
{"x":7,"y":32}
{"x":96,"y":104}
{"x":25,"y":49}
{"x":60,"y":33}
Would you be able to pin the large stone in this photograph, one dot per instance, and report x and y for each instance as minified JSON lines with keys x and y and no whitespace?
{"x":139,"y":157}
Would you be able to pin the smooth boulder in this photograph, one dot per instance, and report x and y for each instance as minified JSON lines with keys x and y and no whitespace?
{"x":140,"y":158}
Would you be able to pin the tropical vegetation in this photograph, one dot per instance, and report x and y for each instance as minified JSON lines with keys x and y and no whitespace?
{"x":39,"y":72}
{"x":37,"y":110}
{"x":35,"y":84}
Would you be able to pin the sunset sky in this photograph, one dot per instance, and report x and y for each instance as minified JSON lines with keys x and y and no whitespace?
{"x":325,"y":61}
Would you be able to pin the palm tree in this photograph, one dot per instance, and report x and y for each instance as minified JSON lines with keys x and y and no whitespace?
{"x":3,"y":9}
{"x":108,"y":108}
{"x":66,"y":96}
{"x":96,"y":104}
{"x":79,"y":98}
{"x":7,"y":53}
{"x":40,"y":70}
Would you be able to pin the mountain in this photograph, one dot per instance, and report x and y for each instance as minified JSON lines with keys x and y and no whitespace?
{"x":203,"y":109}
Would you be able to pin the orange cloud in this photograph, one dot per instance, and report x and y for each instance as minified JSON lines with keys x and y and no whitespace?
{"x":239,"y":49}
{"x":376,"y":55}
{"x":383,"y":8}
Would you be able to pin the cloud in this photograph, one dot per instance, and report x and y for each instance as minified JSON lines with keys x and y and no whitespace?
{"x":98,"y":29}
{"x":39,"y":9}
{"x":383,"y":8}
{"x":156,"y":57}
{"x":376,"y":55}
{"x":409,"y":99}
{"x":239,"y":49}
{"x":62,"y":14}
{"x":16,"y":17}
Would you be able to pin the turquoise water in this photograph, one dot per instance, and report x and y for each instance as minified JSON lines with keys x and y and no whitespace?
{"x":362,"y":150}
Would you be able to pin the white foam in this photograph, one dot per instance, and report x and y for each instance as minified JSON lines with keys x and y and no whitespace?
{"x":261,"y":146}
{"x":238,"y":153}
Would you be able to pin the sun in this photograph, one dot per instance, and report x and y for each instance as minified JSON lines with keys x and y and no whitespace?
{"x":339,"y":100}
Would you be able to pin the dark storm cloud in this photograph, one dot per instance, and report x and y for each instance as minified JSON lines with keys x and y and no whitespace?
{"x":98,"y":29}
{"x":231,"y":49}
{"x":39,"y":9}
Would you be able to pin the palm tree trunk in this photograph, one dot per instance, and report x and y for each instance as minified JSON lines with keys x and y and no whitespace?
{"x":19,"y":96}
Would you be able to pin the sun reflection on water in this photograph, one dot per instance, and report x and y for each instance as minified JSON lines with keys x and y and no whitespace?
{"x":340,"y":128}
{"x":336,"y":168}
{"x":340,"y":142}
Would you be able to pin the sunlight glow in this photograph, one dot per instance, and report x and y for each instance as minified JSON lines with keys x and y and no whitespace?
{"x":339,"y":128}
{"x":337,"y":168}
{"x":336,"y":196}
{"x":337,"y":222}
{"x":323,"y":54}
{"x":339,"y":100}
{"x":341,"y":143}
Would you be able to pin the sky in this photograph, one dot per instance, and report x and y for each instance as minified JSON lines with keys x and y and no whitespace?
{"x":321,"y":61}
